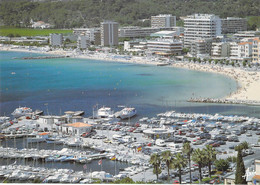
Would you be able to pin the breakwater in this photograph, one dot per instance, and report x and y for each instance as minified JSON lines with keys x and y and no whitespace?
{"x":224,"y":101}
{"x":43,"y":57}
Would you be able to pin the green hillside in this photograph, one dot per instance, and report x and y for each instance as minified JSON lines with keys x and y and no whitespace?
{"x":78,"y":13}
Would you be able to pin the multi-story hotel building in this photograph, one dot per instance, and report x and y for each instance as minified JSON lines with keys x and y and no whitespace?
{"x":109,"y":33}
{"x":140,"y":32}
{"x":200,"y":47}
{"x":201,"y":26}
{"x":256,"y":50}
{"x":233,"y":25}
{"x":165,"y":46}
{"x":163,"y":21}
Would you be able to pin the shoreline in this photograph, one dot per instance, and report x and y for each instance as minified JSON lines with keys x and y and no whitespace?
{"x":248,"y":82}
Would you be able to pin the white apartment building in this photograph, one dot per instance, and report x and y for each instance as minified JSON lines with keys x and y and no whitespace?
{"x":56,"y":39}
{"x":256,"y":50}
{"x":201,"y":26}
{"x":165,"y":46}
{"x":163,"y":21}
{"x":109,"y":33}
{"x":136,"y":32}
{"x":233,"y":50}
{"x":201,"y":47}
{"x":92,"y":34}
{"x":233,"y":25}
{"x":245,"y":49}
{"x":220,"y":49}
{"x":246,"y":34}
{"x":241,"y":51}
{"x":83,"y":42}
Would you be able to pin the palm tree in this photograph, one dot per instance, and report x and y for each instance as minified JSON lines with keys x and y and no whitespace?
{"x":210,"y":156}
{"x":188,"y":151}
{"x":167,"y":158}
{"x":155,"y":160}
{"x":198,"y":157}
{"x":179,"y":162}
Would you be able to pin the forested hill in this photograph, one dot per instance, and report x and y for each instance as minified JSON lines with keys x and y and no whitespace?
{"x":78,"y":13}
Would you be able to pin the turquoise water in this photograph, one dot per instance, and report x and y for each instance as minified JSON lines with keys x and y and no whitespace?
{"x":78,"y":84}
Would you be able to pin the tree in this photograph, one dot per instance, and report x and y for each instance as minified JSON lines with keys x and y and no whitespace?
{"x":240,"y":169}
{"x":198,"y":157}
{"x":155,"y":160}
{"x":185,"y":50}
{"x":233,"y":63}
{"x":210,"y":156}
{"x":244,"y":63}
{"x":242,"y":146}
{"x":227,"y":62}
{"x":188,"y":151}
{"x":167,"y":158}
{"x":222,"y":165}
{"x":178,"y":163}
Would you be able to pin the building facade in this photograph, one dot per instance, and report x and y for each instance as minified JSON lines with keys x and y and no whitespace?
{"x":92,"y":34}
{"x":165,"y":46}
{"x":83,"y":42}
{"x":163,"y":21}
{"x":136,"y":32}
{"x":109,"y":33}
{"x":201,"y":26}
{"x":220,"y":49}
{"x":56,"y":39}
{"x":256,"y":50}
{"x":233,"y":25}
{"x":200,"y":47}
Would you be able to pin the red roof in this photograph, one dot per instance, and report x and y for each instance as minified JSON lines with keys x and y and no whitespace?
{"x":79,"y":124}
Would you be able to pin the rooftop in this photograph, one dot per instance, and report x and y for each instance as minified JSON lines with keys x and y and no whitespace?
{"x":78,"y":125}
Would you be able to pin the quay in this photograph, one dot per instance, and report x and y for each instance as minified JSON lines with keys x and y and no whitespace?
{"x":224,"y":101}
{"x":43,"y":57}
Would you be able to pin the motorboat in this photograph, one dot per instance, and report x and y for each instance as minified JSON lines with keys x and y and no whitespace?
{"x":127,"y":113}
{"x":21,"y":111}
{"x":104,"y":112}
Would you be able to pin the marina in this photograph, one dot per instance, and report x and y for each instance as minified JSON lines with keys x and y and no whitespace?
{"x":125,"y":146}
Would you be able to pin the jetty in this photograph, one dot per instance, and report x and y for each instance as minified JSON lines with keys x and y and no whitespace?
{"x":43,"y":57}
{"x":224,"y":101}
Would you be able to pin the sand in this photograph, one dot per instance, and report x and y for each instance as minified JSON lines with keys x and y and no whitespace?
{"x":248,"y":81}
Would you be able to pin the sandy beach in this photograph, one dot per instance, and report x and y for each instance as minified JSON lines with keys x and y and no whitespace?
{"x":248,"y":81}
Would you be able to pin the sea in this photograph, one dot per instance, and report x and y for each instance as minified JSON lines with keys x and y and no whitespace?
{"x":59,"y":85}
{"x":62,"y":84}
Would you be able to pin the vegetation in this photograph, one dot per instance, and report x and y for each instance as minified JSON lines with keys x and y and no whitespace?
{"x":79,"y":13}
{"x":210,"y":156}
{"x":17,"y":32}
{"x":167,"y":158}
{"x":179,"y":162}
{"x":155,"y":160}
{"x":198,"y":157}
{"x":240,"y":169}
{"x":222,"y":165}
{"x":242,"y":146}
{"x":187,"y":150}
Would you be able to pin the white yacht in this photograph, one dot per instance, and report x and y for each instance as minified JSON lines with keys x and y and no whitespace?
{"x":104,"y":112}
{"x":127,"y":113}
{"x":21,"y":111}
